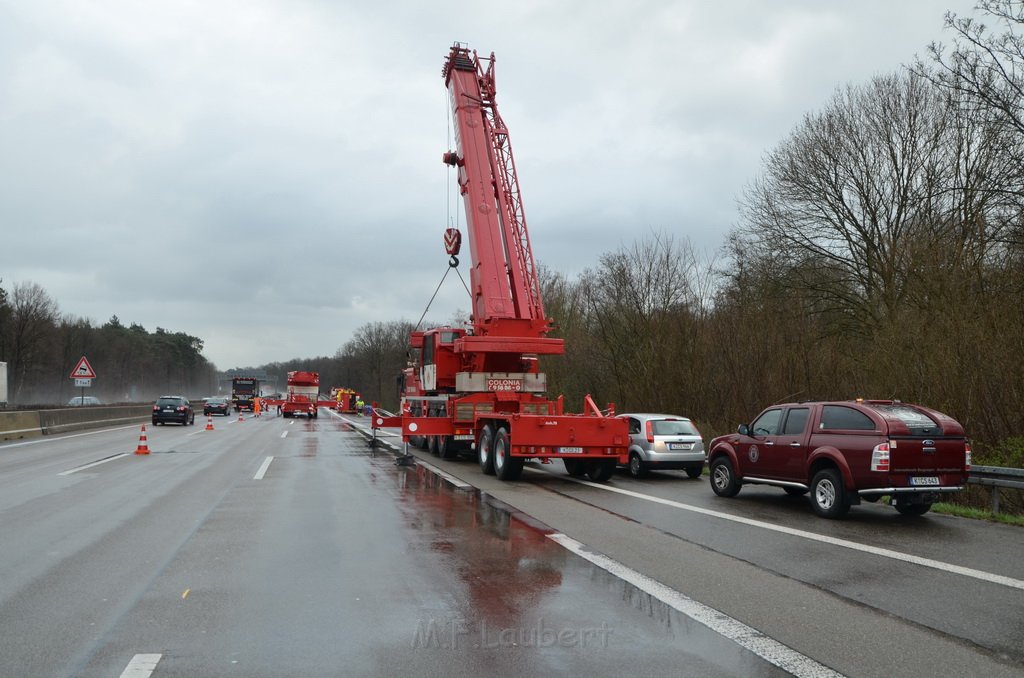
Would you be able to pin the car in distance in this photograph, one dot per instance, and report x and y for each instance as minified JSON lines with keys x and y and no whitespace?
{"x":173,"y":408}
{"x":84,"y":401}
{"x":842,"y":452}
{"x":663,"y":441}
{"x":217,"y":405}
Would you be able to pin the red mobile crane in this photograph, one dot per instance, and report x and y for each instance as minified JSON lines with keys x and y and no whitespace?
{"x":481,"y":385}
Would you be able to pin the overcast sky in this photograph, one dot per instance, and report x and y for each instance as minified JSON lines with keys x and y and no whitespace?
{"x":266,"y":174}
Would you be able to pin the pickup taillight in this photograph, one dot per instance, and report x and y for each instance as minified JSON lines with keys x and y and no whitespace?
{"x":880,"y":458}
{"x":967,"y":456}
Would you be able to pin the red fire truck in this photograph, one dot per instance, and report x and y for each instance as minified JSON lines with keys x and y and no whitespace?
{"x":301,"y":397}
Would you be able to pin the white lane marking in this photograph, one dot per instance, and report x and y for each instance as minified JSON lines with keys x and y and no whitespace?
{"x":141,"y":666}
{"x":813,"y":536}
{"x":447,"y":476}
{"x":95,"y":463}
{"x":263,"y":469}
{"x":57,"y":439}
{"x":195,"y":433}
{"x":284,"y":434}
{"x":772,"y":651}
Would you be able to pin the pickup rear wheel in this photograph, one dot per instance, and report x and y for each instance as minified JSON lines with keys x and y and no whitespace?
{"x":828,"y":496}
{"x":506,"y":467}
{"x":485,"y":450}
{"x":723,"y":478}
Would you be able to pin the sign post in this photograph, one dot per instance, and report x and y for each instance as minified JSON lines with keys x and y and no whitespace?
{"x":83,"y":375}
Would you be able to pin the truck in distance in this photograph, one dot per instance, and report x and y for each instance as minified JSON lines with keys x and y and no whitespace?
{"x":243,"y":390}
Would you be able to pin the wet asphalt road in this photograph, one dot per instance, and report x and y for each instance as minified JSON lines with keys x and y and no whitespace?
{"x":328,"y":559}
{"x":877,"y":594}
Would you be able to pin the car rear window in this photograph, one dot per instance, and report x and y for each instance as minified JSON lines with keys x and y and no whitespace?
{"x":917,"y":421}
{"x":845,"y":418}
{"x":673,"y":427}
{"x":169,"y":401}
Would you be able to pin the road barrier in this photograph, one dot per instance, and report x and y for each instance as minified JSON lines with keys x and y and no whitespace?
{"x":996,"y":477}
{"x":31,"y":424}
{"x":16,"y":425}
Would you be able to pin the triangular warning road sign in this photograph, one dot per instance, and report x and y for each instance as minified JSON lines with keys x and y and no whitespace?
{"x":83,"y":370}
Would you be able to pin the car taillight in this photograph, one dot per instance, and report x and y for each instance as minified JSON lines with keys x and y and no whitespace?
{"x":880,"y":457}
{"x":156,"y":408}
{"x":650,"y":431}
{"x":967,"y":456}
{"x":181,"y":408}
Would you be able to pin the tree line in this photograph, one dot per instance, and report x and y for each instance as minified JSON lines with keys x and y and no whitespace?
{"x":41,"y":346}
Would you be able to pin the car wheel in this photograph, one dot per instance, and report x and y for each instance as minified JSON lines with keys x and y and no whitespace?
{"x":828,"y":496}
{"x":723,"y":478}
{"x":636,"y":466}
{"x":907,"y":509}
{"x":600,"y":470}
{"x":506,"y":467}
{"x":574,"y":467}
{"x":485,"y":451}
{"x":694,"y":471}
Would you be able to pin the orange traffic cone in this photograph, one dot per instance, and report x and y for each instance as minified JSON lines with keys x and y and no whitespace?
{"x":143,"y":448}
{"x":241,"y":417}
{"x":209,"y":422}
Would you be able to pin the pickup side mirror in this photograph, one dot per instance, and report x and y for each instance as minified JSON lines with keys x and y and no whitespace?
{"x":743,"y":430}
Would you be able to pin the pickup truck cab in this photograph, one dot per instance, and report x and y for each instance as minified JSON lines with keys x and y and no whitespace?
{"x":843,"y":452}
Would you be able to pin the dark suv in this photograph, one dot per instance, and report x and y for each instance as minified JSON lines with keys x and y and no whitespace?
{"x":842,"y":452}
{"x":173,"y":408}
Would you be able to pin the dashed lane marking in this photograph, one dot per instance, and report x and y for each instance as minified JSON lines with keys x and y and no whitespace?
{"x":141,"y":666}
{"x":95,"y":463}
{"x":263,"y":469}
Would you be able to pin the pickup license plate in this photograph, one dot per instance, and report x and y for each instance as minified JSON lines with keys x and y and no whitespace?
{"x":925,"y":480}
{"x":680,"y":446}
{"x":571,"y":450}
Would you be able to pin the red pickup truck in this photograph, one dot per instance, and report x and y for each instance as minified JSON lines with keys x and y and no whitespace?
{"x":843,"y":452}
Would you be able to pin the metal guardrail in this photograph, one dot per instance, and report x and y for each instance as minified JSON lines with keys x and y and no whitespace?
{"x":996,"y":477}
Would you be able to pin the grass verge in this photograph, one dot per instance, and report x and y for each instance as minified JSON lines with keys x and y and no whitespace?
{"x":977,"y":514}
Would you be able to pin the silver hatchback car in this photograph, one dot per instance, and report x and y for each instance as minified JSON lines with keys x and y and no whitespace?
{"x":664,"y":441}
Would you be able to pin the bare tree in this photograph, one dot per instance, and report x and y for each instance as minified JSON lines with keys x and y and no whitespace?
{"x":984,"y":73}
{"x":33,"y":316}
{"x":858,"y":188}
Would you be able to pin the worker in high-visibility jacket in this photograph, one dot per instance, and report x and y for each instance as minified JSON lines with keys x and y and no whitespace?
{"x":256,"y":406}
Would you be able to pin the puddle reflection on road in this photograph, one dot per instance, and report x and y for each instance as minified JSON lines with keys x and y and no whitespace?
{"x":516,"y":588}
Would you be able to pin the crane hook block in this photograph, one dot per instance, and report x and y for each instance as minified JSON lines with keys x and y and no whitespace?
{"x":453,"y":262}
{"x":452,"y":241}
